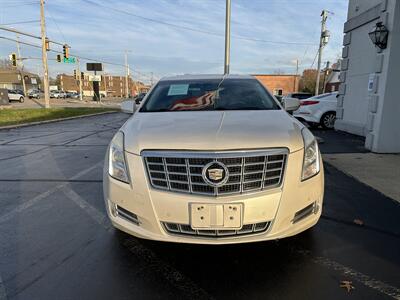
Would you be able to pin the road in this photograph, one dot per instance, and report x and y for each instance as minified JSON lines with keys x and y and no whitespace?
{"x":38,"y":103}
{"x":56,"y":242}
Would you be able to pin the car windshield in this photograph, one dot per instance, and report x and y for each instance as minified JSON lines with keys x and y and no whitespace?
{"x":209,"y":94}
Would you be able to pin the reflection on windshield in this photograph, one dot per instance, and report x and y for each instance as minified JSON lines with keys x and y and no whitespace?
{"x":195,"y":103}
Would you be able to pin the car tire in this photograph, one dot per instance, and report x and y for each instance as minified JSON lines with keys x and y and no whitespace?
{"x":21,"y":100}
{"x":328,"y":120}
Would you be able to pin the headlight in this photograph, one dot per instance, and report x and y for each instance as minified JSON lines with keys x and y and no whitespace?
{"x":116,"y":158}
{"x":311,"y":155}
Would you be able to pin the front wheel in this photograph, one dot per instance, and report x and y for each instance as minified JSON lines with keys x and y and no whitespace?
{"x":21,"y":99}
{"x":328,"y":120}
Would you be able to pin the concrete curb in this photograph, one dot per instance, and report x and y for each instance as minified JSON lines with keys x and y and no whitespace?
{"x":55,"y":120}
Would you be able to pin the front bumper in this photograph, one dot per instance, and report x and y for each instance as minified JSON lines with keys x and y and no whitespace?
{"x":154,"y":207}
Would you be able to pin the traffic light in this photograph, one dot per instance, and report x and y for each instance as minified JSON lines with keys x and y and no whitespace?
{"x":47,"y":44}
{"x":66,"y":51}
{"x":75,"y":75}
{"x":82,"y":75}
{"x":13,"y":58}
{"x":58,"y":57}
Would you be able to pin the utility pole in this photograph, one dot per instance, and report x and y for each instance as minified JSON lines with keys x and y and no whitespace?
{"x":295,"y":77}
{"x":78,"y":71}
{"x":151,"y":79}
{"x":227,"y":36}
{"x":127,"y":75}
{"x":322,"y":43}
{"x":44,"y":57}
{"x":21,"y":65}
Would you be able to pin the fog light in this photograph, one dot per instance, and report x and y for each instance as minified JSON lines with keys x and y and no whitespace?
{"x":113,"y":209}
{"x":304,"y":213}
{"x":316,"y":208}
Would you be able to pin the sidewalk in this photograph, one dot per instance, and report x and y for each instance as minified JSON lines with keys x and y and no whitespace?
{"x":379,"y":171}
{"x":346,"y":152}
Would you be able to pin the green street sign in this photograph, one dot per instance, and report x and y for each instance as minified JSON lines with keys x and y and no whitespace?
{"x":69,"y":60}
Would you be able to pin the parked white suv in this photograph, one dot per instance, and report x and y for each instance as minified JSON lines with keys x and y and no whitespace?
{"x":318,"y":110}
{"x":215,"y":160}
{"x":15,"y":96}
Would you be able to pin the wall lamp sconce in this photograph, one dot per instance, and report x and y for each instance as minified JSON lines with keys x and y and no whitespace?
{"x":379,"y":35}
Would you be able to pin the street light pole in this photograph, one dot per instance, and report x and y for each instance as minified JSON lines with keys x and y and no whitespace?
{"x":322,"y":43}
{"x":227,"y":36}
{"x":44,"y":57}
{"x":127,"y":75}
{"x":21,"y":65}
{"x":78,"y":71}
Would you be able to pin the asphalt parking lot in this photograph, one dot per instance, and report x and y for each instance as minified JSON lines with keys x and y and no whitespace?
{"x":56,"y":242}
{"x":68,"y":102}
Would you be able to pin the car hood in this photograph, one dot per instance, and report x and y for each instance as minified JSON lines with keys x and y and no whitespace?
{"x":212,"y":130}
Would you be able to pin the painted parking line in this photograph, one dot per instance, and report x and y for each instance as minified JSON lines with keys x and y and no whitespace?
{"x":186,"y":285}
{"x":366,"y":280}
{"x":93,"y":212}
{"x":172,"y":275}
{"x":29,"y":203}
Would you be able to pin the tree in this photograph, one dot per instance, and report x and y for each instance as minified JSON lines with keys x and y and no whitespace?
{"x":309,"y":79}
{"x":5,"y":64}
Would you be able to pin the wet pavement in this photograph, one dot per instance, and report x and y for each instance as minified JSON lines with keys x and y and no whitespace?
{"x":56,"y":242}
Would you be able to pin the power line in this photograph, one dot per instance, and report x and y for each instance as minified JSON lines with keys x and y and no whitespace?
{"x":72,"y":54}
{"x":314,"y":59}
{"x":240,"y":37}
{"x":21,"y":42}
{"x":21,"y":22}
{"x":20,"y":4}
{"x":58,"y":28}
{"x":28,"y":34}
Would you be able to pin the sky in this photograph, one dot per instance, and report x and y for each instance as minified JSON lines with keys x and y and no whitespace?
{"x":168,"y":37}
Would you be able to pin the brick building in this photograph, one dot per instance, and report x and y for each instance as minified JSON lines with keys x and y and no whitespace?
{"x":332,"y":80}
{"x":110,"y":86}
{"x":279,"y":84}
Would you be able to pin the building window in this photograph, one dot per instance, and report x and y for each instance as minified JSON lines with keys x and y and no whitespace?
{"x":278,"y":92}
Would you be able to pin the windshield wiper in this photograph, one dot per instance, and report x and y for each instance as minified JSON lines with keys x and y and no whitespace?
{"x":241,"y":108}
{"x":157,"y":110}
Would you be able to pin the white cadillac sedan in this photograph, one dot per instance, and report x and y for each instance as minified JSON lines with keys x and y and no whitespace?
{"x":213,"y":160}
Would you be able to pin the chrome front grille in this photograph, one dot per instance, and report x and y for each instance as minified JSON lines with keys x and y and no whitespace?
{"x":247,"y":229}
{"x":182,"y":171}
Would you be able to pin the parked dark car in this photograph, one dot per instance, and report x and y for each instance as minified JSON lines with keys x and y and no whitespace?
{"x":300,"y":96}
{"x":72,"y":95}
{"x":35,"y":94}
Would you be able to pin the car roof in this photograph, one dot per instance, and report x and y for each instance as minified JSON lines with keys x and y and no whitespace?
{"x":205,"y":77}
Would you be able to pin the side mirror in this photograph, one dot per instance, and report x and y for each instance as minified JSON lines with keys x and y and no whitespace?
{"x":128,"y":106}
{"x":291,"y":104}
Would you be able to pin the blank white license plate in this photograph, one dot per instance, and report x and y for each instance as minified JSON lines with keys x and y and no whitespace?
{"x":216,"y":216}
